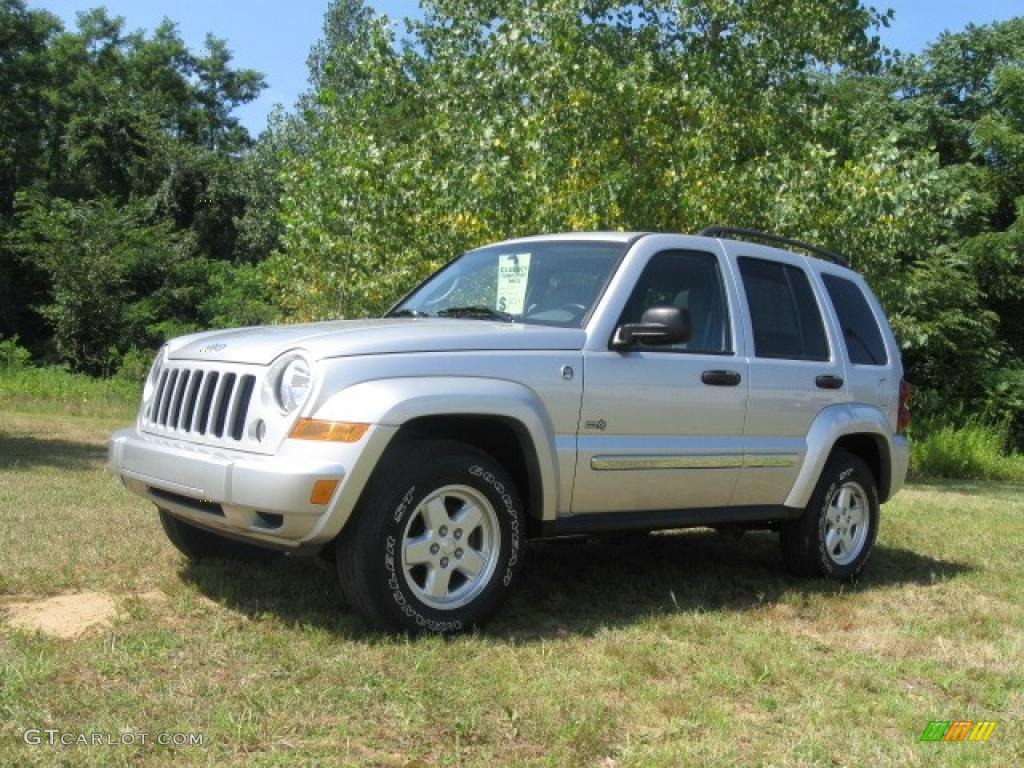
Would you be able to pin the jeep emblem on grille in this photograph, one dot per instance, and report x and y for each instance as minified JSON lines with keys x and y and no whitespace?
{"x":213,"y":347}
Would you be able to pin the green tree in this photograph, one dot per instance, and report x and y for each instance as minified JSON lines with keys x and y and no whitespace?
{"x":334,"y":61}
{"x":25,"y":77}
{"x":964,"y":96}
{"x":112,"y":129}
{"x":102,"y":257}
{"x":494,"y":119}
{"x":257,"y":181}
{"x":220,"y":89}
{"x":503,"y":118}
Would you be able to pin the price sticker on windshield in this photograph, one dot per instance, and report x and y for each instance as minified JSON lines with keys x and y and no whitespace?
{"x":513,"y":273}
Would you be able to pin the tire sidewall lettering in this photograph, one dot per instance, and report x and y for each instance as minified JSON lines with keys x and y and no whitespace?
{"x":826,"y":558}
{"x":404,"y":504}
{"x":513,"y":519}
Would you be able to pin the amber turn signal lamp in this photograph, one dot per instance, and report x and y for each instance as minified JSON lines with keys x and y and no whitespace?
{"x":330,"y":431}
{"x":322,"y":491}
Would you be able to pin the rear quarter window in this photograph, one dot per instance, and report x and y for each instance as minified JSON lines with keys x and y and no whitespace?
{"x":861,"y":333}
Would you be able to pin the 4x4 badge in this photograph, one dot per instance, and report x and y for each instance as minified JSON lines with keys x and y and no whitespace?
{"x":600,"y":424}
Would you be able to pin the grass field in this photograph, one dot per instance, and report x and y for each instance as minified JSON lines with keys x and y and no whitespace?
{"x":681,"y":649}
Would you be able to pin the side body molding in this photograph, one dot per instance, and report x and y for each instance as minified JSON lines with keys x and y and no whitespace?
{"x":829,"y":426}
{"x":394,"y":402}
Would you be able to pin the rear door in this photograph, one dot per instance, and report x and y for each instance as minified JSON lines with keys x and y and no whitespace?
{"x":796,"y":368}
{"x":661,"y":428}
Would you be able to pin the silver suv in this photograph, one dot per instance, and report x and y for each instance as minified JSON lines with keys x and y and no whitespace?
{"x":540,"y":387}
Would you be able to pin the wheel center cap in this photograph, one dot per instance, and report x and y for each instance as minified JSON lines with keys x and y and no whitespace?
{"x":447,"y":545}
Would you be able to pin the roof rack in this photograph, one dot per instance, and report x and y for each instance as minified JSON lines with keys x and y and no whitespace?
{"x":767,"y":237}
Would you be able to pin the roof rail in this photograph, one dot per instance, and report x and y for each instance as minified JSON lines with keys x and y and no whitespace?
{"x":767,"y":237}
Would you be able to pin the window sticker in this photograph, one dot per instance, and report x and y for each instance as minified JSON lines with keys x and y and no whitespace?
{"x":513,"y":275}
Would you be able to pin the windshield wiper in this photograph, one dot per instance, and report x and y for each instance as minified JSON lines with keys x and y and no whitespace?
{"x":477,"y":311}
{"x":407,"y":313}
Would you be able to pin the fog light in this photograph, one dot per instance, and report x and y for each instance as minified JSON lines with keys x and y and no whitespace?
{"x":322,"y":491}
{"x":270,"y":520}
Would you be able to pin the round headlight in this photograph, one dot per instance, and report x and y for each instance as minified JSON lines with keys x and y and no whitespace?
{"x":294,"y":385}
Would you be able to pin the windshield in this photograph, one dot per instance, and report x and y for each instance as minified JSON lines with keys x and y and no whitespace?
{"x":544,"y":283}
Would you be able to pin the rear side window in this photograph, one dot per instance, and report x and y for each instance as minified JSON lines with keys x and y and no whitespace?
{"x":861,"y":334}
{"x":785,"y":316}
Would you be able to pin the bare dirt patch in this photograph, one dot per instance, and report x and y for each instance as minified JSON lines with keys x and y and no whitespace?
{"x":69,"y":616}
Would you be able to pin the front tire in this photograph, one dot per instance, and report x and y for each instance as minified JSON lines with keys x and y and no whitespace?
{"x":836,"y":533}
{"x":435,"y":543}
{"x":198,"y":544}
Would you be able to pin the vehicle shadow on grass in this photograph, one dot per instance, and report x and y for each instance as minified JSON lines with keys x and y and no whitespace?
{"x":578,"y":587}
{"x":19,"y":451}
{"x":581,"y":587}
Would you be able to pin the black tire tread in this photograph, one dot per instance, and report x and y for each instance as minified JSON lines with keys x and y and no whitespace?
{"x":798,"y":538}
{"x":359,"y":540}
{"x":355,"y":545}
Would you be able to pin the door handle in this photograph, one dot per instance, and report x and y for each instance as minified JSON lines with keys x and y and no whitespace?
{"x":829,"y":382}
{"x":720,"y":378}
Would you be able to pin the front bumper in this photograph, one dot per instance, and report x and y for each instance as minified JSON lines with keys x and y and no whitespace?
{"x":262,"y":499}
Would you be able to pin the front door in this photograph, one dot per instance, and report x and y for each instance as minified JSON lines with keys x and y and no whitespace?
{"x":661,"y":427}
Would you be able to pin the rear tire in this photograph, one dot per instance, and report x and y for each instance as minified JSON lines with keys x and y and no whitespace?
{"x":835,"y":534}
{"x":199,"y":544}
{"x":434,"y":544}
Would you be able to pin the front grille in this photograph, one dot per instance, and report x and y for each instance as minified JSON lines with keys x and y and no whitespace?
{"x":203,"y":402}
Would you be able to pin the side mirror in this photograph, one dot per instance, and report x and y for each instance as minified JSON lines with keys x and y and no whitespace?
{"x":659,"y":325}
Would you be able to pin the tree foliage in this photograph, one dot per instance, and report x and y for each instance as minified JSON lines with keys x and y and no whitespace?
{"x":489,"y":119}
{"x":506,"y":118}
{"x":124,"y":176}
{"x":500,"y":118}
{"x":102,"y":258}
{"x":963,"y":98}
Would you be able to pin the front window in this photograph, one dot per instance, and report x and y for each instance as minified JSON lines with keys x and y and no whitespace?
{"x":689,"y":280}
{"x":543,"y":283}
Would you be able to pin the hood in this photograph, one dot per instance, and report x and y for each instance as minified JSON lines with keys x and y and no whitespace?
{"x":262,"y":345}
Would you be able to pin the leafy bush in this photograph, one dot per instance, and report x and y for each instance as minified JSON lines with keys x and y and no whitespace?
{"x":135,"y":366}
{"x":103,"y":260}
{"x":12,"y":356}
{"x":1006,"y":401}
{"x":973,"y":450}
